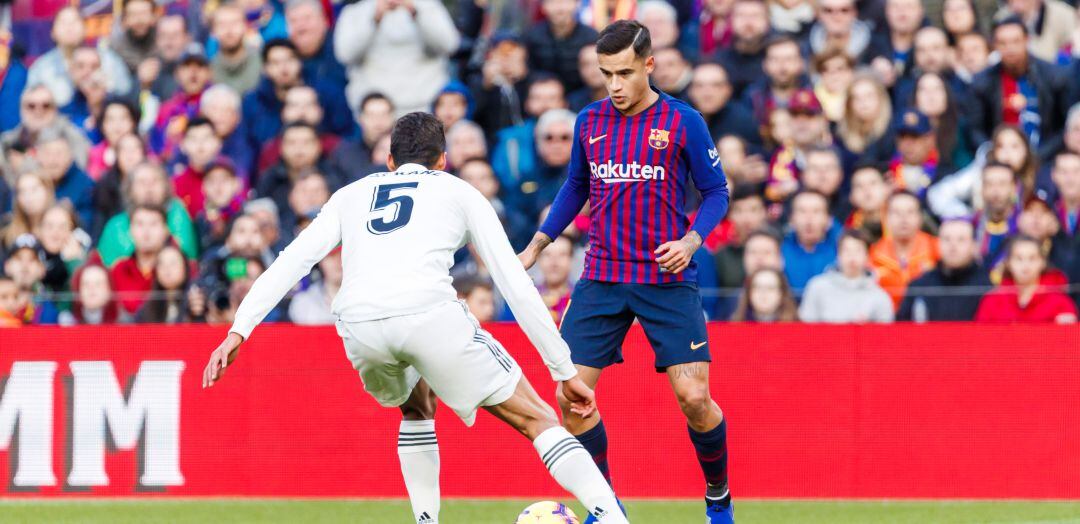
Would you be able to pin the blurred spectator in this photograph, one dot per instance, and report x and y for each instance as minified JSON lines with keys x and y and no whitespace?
{"x":514,"y":156}
{"x":12,"y":83}
{"x":193,"y":76}
{"x":894,"y":60}
{"x":555,"y":286}
{"x":9,"y":303}
{"x":38,"y":111}
{"x":167,"y":301}
{"x":599,"y":13}
{"x":1066,"y":176}
{"x":265,"y":20}
{"x":479,"y":296}
{"x":25,"y":265}
{"x":117,"y":118}
{"x":933,"y":56}
{"x":824,"y":174}
{"x":808,"y":130}
{"x":915,"y":164}
{"x":792,"y":17}
{"x":90,"y":91}
{"x":391,"y":43}
{"x":129,"y":151}
{"x":848,"y":292}
{"x":784,"y":76}
{"x":711,"y":31}
{"x":221,"y":105}
{"x":353,"y":158}
{"x":309,"y":30}
{"x":933,"y":98}
{"x":662,"y":21}
{"x":959,"y":194}
{"x":762,"y":249}
{"x":201,"y":146}
{"x":307,"y":196}
{"x":740,"y":166}
{"x":478,"y":173}
{"x":673,"y":72}
{"x":237,"y":63}
{"x":503,"y":84}
{"x":1049,"y":22}
{"x":453,"y":103}
{"x":835,"y":70}
{"x":811,"y":245}
{"x":1020,"y":90}
{"x":63,"y":244}
{"x":52,"y":68}
{"x":1029,"y":291}
{"x":972,"y":55}
{"x":710,"y":93}
{"x":950,"y":292}
{"x":135,"y":39}
{"x":223,"y":200}
{"x":554,"y":44}
{"x":94,"y":303}
{"x":868,"y":197}
{"x":172,"y":39}
{"x":146,"y":185}
{"x":766,"y":297}
{"x":839,"y":28}
{"x":746,"y":215}
{"x":301,"y":105}
{"x":33,"y":195}
{"x":132,"y":276}
{"x":865,"y":131}
{"x":312,"y":306}
{"x":464,"y":140}
{"x":281,"y":72}
{"x":301,"y":152}
{"x":961,"y":17}
{"x":535,"y":190}
{"x":996,"y":222}
{"x":742,"y":59}
{"x":219,"y":268}
{"x":53,"y":153}
{"x":589,"y":70}
{"x":267,"y":217}
{"x":905,"y":252}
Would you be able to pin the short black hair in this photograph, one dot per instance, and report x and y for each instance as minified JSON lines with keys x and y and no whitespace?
{"x":417,"y":138}
{"x":780,"y":39}
{"x":130,"y":106}
{"x":903,"y":193}
{"x":746,"y":191}
{"x":1009,"y":20}
{"x":765,"y":232}
{"x":373,"y":97}
{"x":623,"y":34}
{"x":157,"y":210}
{"x":854,"y":234}
{"x":279,"y":42}
{"x":198,"y":121}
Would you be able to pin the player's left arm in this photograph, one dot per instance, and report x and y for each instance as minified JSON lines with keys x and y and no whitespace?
{"x":703,"y":159}
{"x":294,"y":262}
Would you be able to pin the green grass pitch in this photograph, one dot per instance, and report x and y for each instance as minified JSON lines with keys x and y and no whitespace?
{"x":224,"y":511}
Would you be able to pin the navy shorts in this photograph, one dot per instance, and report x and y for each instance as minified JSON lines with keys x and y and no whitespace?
{"x":600,"y":314}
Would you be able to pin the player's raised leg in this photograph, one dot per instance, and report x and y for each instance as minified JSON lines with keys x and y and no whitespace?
{"x":565,"y":458}
{"x":418,"y":451}
{"x":708,"y":433}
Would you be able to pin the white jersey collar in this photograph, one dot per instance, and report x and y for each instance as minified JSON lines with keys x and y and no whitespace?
{"x":410,"y":168}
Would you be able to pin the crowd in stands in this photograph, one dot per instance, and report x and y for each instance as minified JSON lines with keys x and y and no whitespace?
{"x":911,"y":160}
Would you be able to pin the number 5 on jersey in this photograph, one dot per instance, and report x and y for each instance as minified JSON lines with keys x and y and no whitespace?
{"x":402,"y":213}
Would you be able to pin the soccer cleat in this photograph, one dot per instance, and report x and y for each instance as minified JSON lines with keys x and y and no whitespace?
{"x":592,"y":519}
{"x":716,"y":513}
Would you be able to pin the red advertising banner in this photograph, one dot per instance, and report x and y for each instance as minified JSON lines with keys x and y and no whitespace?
{"x":814,"y":411}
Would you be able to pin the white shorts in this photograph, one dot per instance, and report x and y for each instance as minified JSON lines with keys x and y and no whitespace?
{"x":464,"y":365}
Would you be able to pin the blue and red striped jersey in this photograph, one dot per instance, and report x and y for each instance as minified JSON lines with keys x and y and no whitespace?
{"x":633,"y":170}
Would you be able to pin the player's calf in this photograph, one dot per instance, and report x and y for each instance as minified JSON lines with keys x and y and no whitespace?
{"x":708,"y":433}
{"x":418,"y":451}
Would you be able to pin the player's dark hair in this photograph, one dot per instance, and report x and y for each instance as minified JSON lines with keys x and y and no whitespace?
{"x":279,"y":42}
{"x":1007,"y":21}
{"x":374,"y":97}
{"x":417,"y":138}
{"x":624,"y":34}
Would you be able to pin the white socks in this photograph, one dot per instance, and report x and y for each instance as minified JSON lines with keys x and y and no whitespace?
{"x":575,"y":471}
{"x":418,"y":450}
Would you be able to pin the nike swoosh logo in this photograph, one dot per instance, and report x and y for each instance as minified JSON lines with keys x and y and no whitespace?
{"x":595,"y":139}
{"x":695,"y":347}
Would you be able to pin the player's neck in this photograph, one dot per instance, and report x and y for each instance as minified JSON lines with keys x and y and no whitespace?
{"x":645,"y":103}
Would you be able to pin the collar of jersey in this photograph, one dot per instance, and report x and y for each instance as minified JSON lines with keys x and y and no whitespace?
{"x":410,"y":168}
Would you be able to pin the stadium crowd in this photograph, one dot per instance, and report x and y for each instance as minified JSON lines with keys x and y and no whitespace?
{"x":887,"y":159}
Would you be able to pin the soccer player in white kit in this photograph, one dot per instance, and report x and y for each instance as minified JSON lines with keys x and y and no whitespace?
{"x":405,"y":331}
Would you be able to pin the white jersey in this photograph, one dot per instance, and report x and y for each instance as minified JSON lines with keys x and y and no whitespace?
{"x":398,"y":233}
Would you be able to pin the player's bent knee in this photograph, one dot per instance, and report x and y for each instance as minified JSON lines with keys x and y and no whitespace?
{"x":695,"y":402}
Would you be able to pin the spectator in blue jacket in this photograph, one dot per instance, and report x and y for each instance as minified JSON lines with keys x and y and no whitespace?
{"x":53,"y":154}
{"x":310,"y":32}
{"x":810,"y":247}
{"x":13,"y":73}
{"x":514,"y":155}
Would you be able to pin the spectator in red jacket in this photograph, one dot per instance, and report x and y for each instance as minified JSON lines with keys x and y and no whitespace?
{"x":133,"y":276}
{"x":1029,"y":292}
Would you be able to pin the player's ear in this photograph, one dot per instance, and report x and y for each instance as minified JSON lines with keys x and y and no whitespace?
{"x":650,"y":64}
{"x":440,"y":164}
{"x":390,"y":164}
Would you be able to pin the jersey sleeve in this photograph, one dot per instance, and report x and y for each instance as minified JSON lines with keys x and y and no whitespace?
{"x":574,"y":192}
{"x":509,"y":275}
{"x":703,"y":159}
{"x":294,"y":262}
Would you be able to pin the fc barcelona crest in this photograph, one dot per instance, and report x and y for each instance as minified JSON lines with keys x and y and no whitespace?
{"x":659,"y":138}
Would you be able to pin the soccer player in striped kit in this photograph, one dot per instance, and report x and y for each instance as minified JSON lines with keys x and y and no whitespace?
{"x":632,"y":155}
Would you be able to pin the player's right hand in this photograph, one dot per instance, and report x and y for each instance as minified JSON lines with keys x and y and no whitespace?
{"x":527,"y":258}
{"x":224,"y":355}
{"x":581,"y":397}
